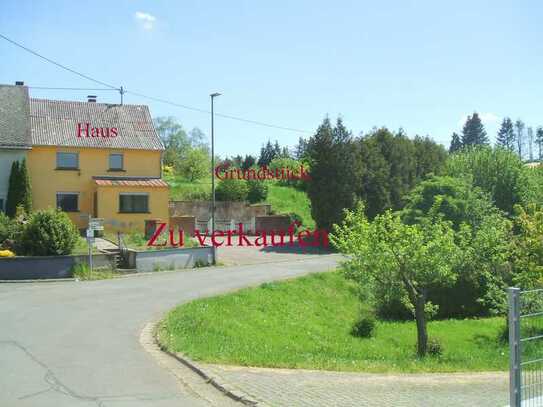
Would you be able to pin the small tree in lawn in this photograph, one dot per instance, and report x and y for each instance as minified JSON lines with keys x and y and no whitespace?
{"x":387,"y":251}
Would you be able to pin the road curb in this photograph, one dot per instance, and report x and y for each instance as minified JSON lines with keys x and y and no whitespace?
{"x":215,"y":381}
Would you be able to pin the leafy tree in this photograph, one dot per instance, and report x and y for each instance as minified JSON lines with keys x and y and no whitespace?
{"x":257,"y":191}
{"x":248,"y":162}
{"x":498,"y":172}
{"x":452,"y":199}
{"x":197,"y":139}
{"x":473,"y":132}
{"x":483,"y":234}
{"x":12,"y":199}
{"x":415,"y":257}
{"x":196,"y":164}
{"x":176,"y":141}
{"x":528,"y":247}
{"x":331,"y":153}
{"x":232,"y":189}
{"x":519,"y":136}
{"x":237,"y":161}
{"x":456,"y":143}
{"x":539,"y":141}
{"x":506,"y":135}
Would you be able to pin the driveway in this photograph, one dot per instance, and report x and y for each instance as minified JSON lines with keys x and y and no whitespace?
{"x":241,"y":255}
{"x":77,"y":343}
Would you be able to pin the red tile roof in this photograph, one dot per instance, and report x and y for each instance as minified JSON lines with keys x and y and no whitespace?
{"x":54,"y":123}
{"x":156,"y":183}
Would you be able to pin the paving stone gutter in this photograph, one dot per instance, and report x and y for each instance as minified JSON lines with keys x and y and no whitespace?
{"x":213,"y":379}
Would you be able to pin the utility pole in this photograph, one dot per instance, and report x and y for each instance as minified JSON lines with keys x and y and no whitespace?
{"x":213,"y":96}
{"x":122,"y":92}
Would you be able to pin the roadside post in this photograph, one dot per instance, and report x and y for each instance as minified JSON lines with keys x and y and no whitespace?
{"x":94,"y":224}
{"x":90,"y":241}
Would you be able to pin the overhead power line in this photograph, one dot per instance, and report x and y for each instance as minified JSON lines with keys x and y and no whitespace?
{"x":58,"y":64}
{"x":56,"y":88}
{"x":122,"y":91}
{"x":226,"y":116}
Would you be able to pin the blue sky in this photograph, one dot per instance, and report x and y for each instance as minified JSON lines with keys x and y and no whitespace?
{"x":421,"y":65}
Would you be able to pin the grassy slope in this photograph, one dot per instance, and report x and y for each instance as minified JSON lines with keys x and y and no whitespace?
{"x":283,"y":199}
{"x":306,"y":323}
{"x":289,"y":199}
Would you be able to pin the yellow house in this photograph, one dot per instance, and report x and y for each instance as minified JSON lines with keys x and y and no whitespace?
{"x":99,"y":160}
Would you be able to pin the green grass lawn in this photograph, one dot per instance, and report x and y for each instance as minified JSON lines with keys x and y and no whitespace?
{"x":183,"y":190}
{"x":306,"y":323}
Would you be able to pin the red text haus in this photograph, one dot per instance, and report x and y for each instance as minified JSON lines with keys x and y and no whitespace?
{"x":86,"y":130}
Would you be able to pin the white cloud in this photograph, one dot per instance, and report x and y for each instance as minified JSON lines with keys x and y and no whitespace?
{"x":486,"y":118}
{"x":146,"y":20}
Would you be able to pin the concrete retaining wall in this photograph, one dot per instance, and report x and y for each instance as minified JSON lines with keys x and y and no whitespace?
{"x":272,"y":223}
{"x":239,"y":211}
{"x":44,"y":267}
{"x":170,"y":259}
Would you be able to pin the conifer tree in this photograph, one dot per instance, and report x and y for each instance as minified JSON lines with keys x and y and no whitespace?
{"x":474,"y":132}
{"x":456,"y":143}
{"x":539,"y":141}
{"x":13,"y":194}
{"x":519,"y":136}
{"x":506,"y":135}
{"x":25,"y":197}
{"x":332,"y":161}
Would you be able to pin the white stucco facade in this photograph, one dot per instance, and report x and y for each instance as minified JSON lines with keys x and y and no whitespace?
{"x":7,"y":157}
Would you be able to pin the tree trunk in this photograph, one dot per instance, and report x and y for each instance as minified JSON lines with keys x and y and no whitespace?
{"x":422,"y":334}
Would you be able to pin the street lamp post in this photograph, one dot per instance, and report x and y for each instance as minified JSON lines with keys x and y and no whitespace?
{"x":213,"y":96}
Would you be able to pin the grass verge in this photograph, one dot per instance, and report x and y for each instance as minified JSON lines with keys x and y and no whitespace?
{"x":307,"y":322}
{"x":82,"y":272}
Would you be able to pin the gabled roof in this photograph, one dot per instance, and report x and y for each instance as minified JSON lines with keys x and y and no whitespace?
{"x":14,"y":112}
{"x":55,"y":123}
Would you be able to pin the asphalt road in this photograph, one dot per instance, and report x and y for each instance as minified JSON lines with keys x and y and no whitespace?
{"x":77,"y":343}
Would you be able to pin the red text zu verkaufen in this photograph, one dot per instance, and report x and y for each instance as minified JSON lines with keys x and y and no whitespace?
{"x":305,"y":238}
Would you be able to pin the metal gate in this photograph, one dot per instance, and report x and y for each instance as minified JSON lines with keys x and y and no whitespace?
{"x":525,"y":347}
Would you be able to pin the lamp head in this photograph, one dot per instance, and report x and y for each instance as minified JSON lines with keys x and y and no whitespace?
{"x":215,"y":94}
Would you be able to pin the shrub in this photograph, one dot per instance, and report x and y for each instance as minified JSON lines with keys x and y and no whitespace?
{"x":232,"y":190}
{"x":48,"y":233}
{"x":364,"y":327}
{"x":294,"y":217}
{"x":258,"y":191}
{"x":434,"y":347}
{"x":6,"y":253}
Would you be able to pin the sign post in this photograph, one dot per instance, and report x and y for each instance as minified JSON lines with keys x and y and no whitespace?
{"x":94,"y":224}
{"x":90,"y":240}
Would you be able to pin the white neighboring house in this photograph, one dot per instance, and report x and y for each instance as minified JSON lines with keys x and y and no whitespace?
{"x":15,"y":138}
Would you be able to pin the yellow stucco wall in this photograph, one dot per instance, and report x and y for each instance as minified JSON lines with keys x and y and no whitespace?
{"x":46,"y":180}
{"x":108,"y":207}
